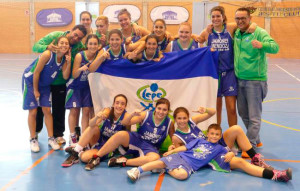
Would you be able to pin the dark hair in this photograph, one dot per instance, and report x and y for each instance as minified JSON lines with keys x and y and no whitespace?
{"x":115,"y":31}
{"x":215,"y":127}
{"x":85,"y":12}
{"x":81,"y":28}
{"x":90,"y":36}
{"x":124,"y":11}
{"x":180,"y":109}
{"x":112,"y":111}
{"x":161,"y":20}
{"x":151,"y":36}
{"x":163,"y":101}
{"x":244,"y":9}
{"x":221,"y":10}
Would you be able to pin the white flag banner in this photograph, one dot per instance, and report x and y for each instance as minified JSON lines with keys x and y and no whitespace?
{"x":187,"y":78}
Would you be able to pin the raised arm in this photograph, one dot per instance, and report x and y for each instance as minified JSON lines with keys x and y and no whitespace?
{"x":140,"y":31}
{"x":204,"y":114}
{"x":47,"y":42}
{"x":102,"y":55}
{"x":136,"y":117}
{"x":66,"y":70}
{"x":99,"y":117}
{"x":76,"y":66}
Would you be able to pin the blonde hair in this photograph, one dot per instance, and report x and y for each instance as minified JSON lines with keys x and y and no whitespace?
{"x":102,"y":17}
{"x":186,"y":24}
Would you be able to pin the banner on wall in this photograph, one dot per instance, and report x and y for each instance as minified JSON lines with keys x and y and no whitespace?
{"x":186,"y":78}
{"x":172,"y":15}
{"x":112,"y":12}
{"x":54,"y":17}
{"x":277,"y":12}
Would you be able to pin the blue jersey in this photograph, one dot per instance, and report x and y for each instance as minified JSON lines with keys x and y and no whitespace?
{"x":120,"y":55}
{"x":162,"y":45}
{"x":108,"y":129}
{"x":144,"y":57}
{"x":134,"y":36}
{"x":49,"y":72}
{"x":200,"y":152}
{"x":223,"y":43}
{"x":151,"y":133}
{"x":194,"y":133}
{"x":176,"y":46}
{"x":82,"y":80}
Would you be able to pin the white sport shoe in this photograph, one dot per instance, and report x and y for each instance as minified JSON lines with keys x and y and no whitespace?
{"x":52,"y":142}
{"x":34,"y":145}
{"x":133,"y":174}
{"x":60,"y":140}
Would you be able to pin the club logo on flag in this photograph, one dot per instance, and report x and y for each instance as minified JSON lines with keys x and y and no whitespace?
{"x":149,"y":94}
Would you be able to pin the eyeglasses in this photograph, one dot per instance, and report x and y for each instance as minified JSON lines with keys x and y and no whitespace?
{"x":101,"y":26}
{"x":240,"y":18}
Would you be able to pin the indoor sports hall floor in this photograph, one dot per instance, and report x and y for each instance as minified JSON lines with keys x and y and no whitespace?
{"x":23,"y":170}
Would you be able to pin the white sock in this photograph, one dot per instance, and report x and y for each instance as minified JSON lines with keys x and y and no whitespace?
{"x":78,"y":148}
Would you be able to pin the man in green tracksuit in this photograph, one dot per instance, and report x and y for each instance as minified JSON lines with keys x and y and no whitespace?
{"x":250,"y":65}
{"x":58,"y":87}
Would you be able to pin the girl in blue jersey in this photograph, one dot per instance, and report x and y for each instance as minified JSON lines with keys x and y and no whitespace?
{"x":104,"y":125}
{"x":163,"y":36}
{"x":37,"y":79}
{"x":198,"y":153}
{"x":151,"y":51}
{"x":78,"y":89}
{"x":154,"y":127}
{"x":221,"y":40}
{"x":185,"y":40}
{"x":130,"y":31}
{"x":114,"y":51}
{"x":187,"y":131}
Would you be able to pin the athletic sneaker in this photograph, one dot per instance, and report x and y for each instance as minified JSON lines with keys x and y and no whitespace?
{"x":69,"y":149}
{"x":95,"y":161}
{"x":258,"y":160}
{"x":34,"y":145}
{"x":60,"y":140}
{"x":72,"y":159}
{"x":52,"y":142}
{"x":73,"y":139}
{"x":133,"y":174}
{"x":117,"y":161}
{"x":282,"y":176}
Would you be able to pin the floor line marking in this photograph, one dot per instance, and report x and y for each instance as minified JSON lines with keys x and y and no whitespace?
{"x":279,"y":125}
{"x":159,"y":182}
{"x":288,"y":73}
{"x":271,"y":123}
{"x":26,"y":171}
